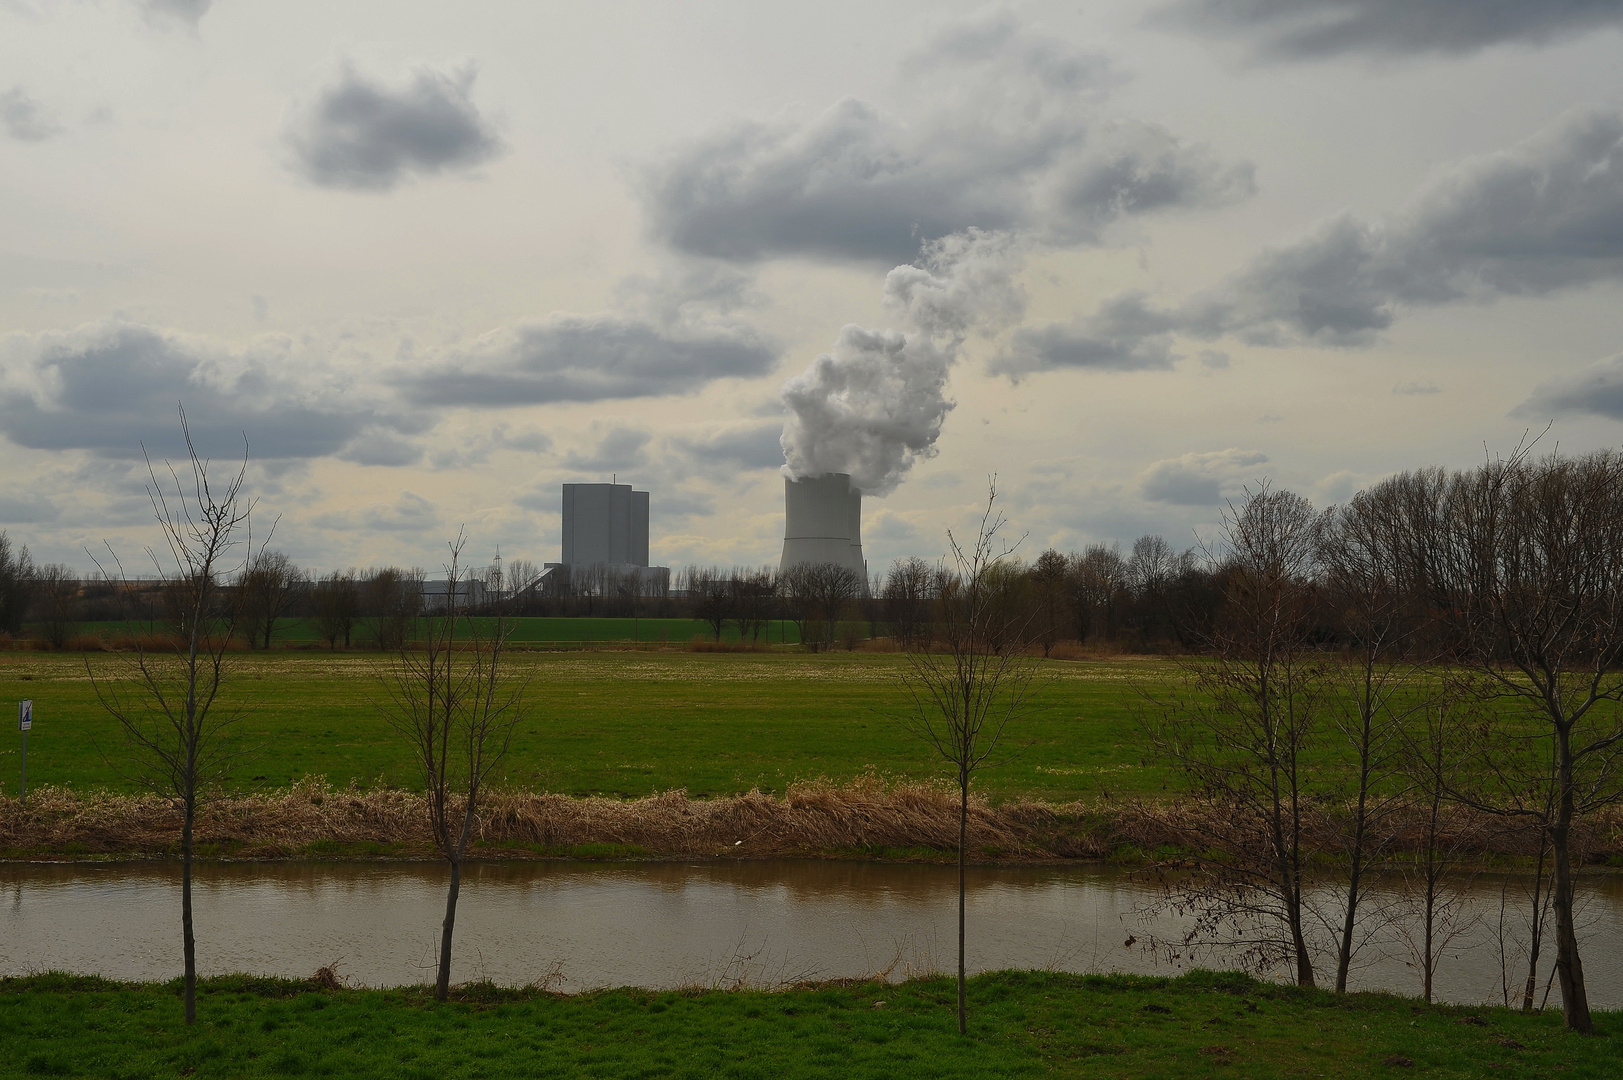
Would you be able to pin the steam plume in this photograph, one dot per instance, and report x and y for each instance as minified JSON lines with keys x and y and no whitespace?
{"x":875,"y":404}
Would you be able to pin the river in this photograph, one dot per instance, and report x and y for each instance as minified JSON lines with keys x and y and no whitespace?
{"x":661,"y":924}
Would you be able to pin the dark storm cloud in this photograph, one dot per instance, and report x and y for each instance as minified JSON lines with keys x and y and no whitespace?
{"x":111,"y":388}
{"x":1597,"y":390}
{"x":1304,"y":29}
{"x":367,"y":136}
{"x":1545,"y":215}
{"x":1001,"y":131}
{"x":589,"y":358}
{"x":24,"y":118}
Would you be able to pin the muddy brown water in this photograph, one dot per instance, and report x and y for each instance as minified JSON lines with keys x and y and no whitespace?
{"x":664,"y":925}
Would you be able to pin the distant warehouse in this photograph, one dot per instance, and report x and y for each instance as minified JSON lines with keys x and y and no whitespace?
{"x":605,"y":542}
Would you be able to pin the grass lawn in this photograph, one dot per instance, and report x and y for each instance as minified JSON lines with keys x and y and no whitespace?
{"x":615,"y":723}
{"x":1021,"y":1024}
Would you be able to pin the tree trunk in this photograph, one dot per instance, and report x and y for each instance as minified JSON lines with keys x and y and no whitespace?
{"x":963,"y":831}
{"x":1536,"y":927}
{"x":188,"y":939}
{"x":1568,"y":966}
{"x":442,"y":986}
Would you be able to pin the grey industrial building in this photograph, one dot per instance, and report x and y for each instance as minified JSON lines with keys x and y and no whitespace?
{"x":822,"y":523}
{"x":605,"y":530}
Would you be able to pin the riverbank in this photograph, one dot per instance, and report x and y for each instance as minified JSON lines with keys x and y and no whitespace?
{"x":864,"y":818}
{"x":1021,"y":1024}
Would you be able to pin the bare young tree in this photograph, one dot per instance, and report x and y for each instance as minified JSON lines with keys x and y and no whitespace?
{"x":270,"y":586}
{"x":1433,"y":748}
{"x":977,"y":680}
{"x":1244,"y":738}
{"x":1525,"y":561}
{"x":56,"y":591}
{"x":169,"y":708}
{"x":337,"y":602}
{"x":454,"y":702}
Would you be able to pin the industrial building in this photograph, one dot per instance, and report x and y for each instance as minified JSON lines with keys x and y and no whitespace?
{"x":822,"y":523}
{"x":605,"y":531}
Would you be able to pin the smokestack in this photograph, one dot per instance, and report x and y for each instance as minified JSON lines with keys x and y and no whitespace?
{"x":822,"y":523}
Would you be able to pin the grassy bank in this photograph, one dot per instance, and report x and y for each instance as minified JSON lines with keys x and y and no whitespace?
{"x":614,"y":723}
{"x":1022,"y":1024}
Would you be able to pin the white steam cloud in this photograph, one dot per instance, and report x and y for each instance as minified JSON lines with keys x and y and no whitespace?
{"x":875,"y":404}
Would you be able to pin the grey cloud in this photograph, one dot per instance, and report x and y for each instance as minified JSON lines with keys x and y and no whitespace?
{"x":589,"y":358}
{"x":373,"y":447}
{"x":1544,"y":215}
{"x":755,"y":447}
{"x":110,"y":388}
{"x":1125,"y":334}
{"x":26,"y":510}
{"x":190,"y":12}
{"x":1005,"y":133}
{"x":24,"y":118}
{"x":368,"y":136}
{"x":1597,"y":390}
{"x":617,"y":449}
{"x":1417,"y":386}
{"x":1199,"y":479}
{"x":409,"y":512}
{"x":1303,"y":29}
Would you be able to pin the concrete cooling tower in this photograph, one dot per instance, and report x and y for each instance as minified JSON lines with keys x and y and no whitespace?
{"x":822,"y":523}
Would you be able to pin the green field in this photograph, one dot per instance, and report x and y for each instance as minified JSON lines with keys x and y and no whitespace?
{"x":1021,"y":1024}
{"x":618,"y":723}
{"x":297,"y":632}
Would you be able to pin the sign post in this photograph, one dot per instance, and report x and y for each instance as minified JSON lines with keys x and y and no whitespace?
{"x":25,"y":720}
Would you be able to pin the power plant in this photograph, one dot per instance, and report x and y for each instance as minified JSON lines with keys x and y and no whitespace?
{"x":822,"y":523}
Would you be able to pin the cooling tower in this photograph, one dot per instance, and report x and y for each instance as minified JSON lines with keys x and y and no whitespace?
{"x":822,"y":523}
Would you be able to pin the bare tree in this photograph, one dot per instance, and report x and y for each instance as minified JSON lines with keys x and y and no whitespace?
{"x":56,"y":591}
{"x":173,"y":717}
{"x":965,"y":692}
{"x":908,"y":593}
{"x":392,"y":599}
{"x":1096,"y":577}
{"x":1524,"y":559}
{"x":16,"y":584}
{"x":831,"y":588}
{"x":453,"y":701}
{"x":338,"y":604}
{"x":1434,"y":754}
{"x":1244,"y":738}
{"x":1361,"y":554}
{"x":712,"y":596}
{"x":270,"y":586}
{"x":1051,"y":594}
{"x":751,"y":593}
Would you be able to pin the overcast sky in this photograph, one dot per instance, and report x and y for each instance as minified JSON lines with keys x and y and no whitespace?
{"x":435,"y":260}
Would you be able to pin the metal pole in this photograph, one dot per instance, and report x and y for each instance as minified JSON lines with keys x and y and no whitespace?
{"x":24,"y":794}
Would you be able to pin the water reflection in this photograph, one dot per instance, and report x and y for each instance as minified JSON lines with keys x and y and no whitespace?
{"x":661,"y":924}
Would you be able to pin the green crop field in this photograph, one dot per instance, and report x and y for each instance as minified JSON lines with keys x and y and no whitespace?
{"x":1021,"y":1024}
{"x":617,"y":723}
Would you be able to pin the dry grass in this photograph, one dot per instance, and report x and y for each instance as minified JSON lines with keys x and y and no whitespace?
{"x":868,"y":817}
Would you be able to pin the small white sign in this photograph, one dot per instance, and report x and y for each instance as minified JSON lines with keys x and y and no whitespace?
{"x":25,"y":715}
